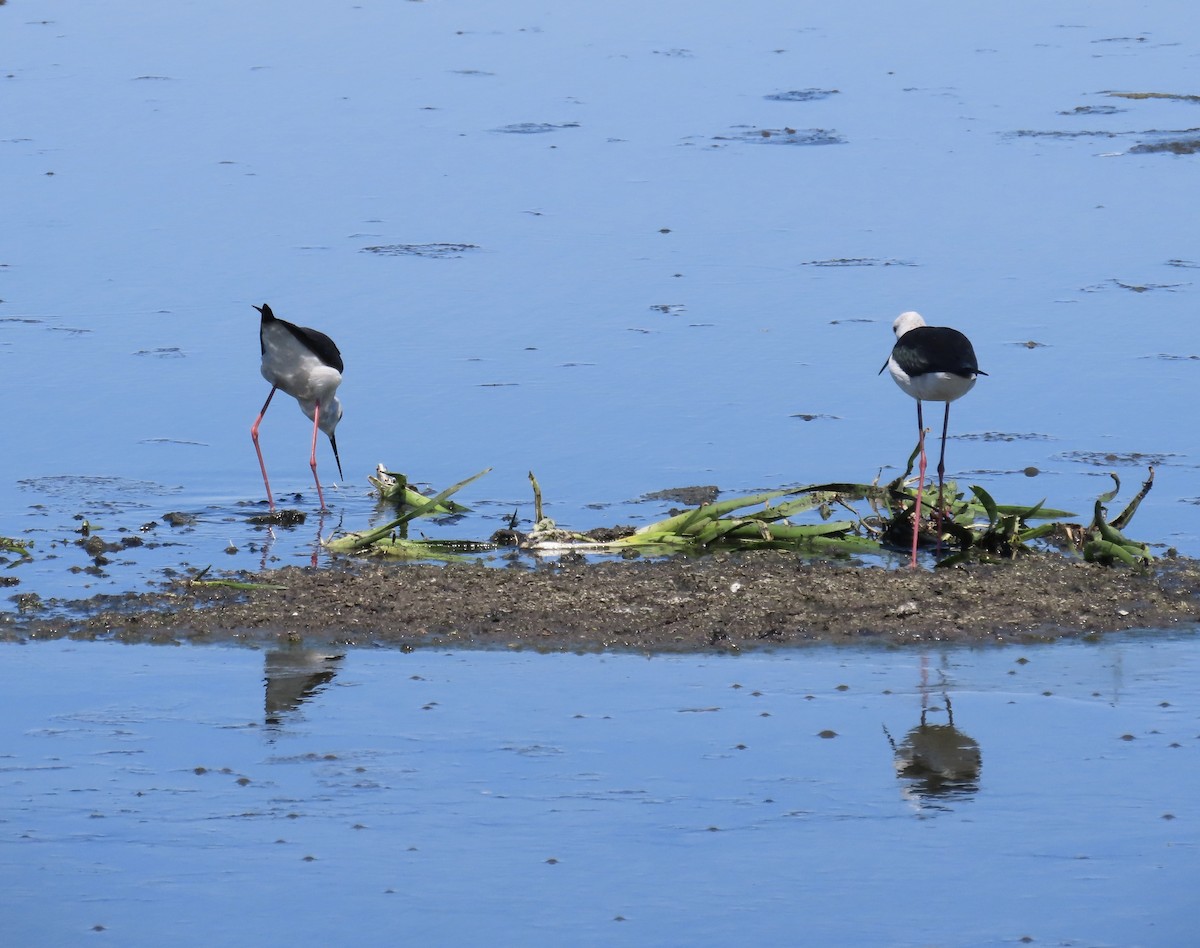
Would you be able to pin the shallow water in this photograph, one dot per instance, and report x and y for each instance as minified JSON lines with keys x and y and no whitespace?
{"x":267,"y":797}
{"x":652,"y":292}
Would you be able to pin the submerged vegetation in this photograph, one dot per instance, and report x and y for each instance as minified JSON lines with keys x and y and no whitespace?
{"x":831,"y":519}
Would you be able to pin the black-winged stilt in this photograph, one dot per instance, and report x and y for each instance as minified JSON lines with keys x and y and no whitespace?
{"x":932,"y":364}
{"x":308,"y":366}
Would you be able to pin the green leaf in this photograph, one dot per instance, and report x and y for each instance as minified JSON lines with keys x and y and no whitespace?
{"x":989,"y":505}
{"x":1110,"y":495}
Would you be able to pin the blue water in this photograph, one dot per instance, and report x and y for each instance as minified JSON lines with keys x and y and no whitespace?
{"x":526,"y":799}
{"x":655,"y":291}
{"x":650,"y":302}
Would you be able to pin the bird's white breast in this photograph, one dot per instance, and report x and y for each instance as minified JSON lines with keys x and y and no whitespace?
{"x":932,"y":386}
{"x":291,"y":366}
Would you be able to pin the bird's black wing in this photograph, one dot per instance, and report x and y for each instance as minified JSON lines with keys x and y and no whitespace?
{"x":315,"y":341}
{"x":321,"y":345}
{"x":935,"y":349}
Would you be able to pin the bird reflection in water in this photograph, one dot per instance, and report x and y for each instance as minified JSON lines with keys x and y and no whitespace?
{"x":938,"y":762}
{"x":293,"y":676}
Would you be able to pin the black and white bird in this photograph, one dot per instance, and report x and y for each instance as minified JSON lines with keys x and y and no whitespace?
{"x":307,"y":365}
{"x":932,"y":364}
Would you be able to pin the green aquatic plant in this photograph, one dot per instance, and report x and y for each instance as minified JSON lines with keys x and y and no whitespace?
{"x":832,"y":519}
{"x":736,"y":524}
{"x":226,"y":583}
{"x":19,"y":547}
{"x":393,"y":488}
{"x":985,"y":529}
{"x":391,"y":539}
{"x":1104,"y":542}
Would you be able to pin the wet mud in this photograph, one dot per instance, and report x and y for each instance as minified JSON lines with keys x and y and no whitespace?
{"x":721,"y":602}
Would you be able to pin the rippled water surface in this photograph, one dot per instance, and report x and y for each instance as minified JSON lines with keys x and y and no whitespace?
{"x":816,"y":796}
{"x":629,"y":248}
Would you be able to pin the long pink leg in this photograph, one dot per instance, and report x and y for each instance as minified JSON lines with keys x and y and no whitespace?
{"x":920,"y":487}
{"x":258,"y":450}
{"x":312,"y":462}
{"x":942,"y":477}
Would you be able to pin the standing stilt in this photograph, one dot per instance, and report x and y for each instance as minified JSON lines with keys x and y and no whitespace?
{"x":307,"y":365}
{"x":936,"y":364}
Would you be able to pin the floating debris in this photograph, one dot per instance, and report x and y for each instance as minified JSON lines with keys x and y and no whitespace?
{"x":690,"y":496}
{"x":1032,"y":133}
{"x":1093,"y":110}
{"x":1107,"y":458}
{"x":436,"y":251}
{"x":782,"y":136}
{"x":1133,"y":287}
{"x":857,"y":262}
{"x":1151,"y":141}
{"x":82,"y":485}
{"x":533,"y":128}
{"x":1154,"y":95}
{"x":801,"y":95}
{"x":1179,"y":146}
{"x":1003,"y":436}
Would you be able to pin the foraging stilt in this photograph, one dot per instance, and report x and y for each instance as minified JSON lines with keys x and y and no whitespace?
{"x":934,"y":364}
{"x":307,"y":365}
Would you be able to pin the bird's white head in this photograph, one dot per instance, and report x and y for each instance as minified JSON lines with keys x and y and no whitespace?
{"x":906,"y":321}
{"x":331,"y":414}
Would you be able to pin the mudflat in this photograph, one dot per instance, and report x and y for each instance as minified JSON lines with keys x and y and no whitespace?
{"x":723,"y":601}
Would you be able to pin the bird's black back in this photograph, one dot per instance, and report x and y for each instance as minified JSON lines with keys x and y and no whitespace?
{"x":928,"y":349}
{"x":314,"y":340}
